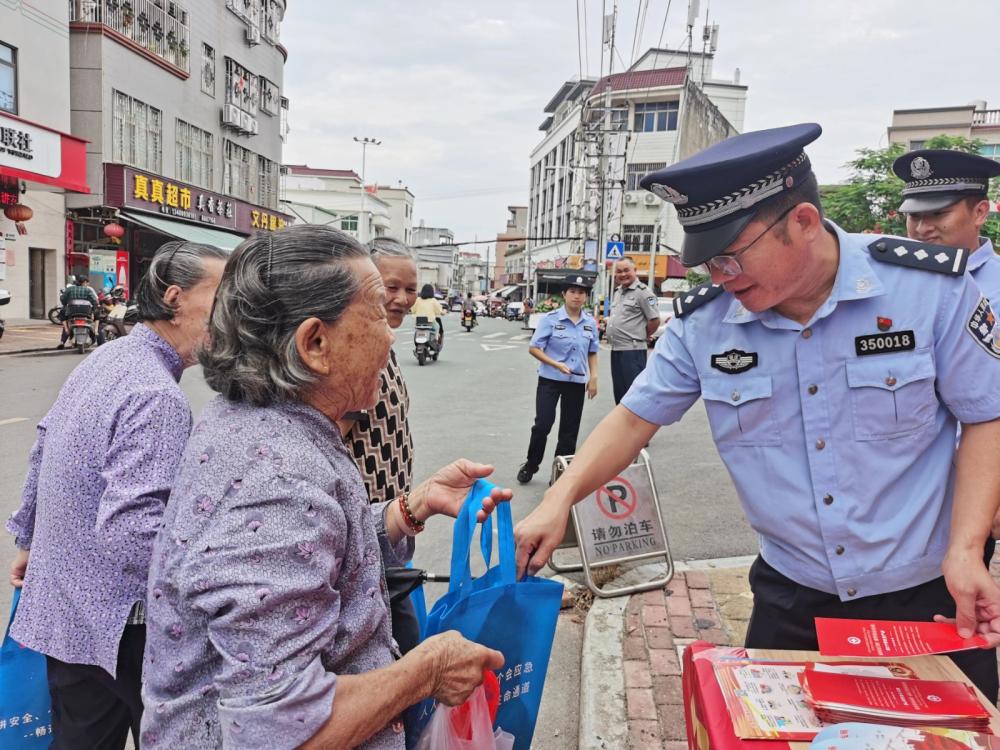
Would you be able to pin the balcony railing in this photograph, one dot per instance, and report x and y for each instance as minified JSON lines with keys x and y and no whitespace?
{"x":159,"y":26}
{"x":986,"y":118}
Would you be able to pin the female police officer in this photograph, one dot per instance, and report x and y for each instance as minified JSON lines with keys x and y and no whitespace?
{"x":565,"y":343}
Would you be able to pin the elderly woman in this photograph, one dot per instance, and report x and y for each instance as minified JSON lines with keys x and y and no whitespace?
{"x":268,"y":618}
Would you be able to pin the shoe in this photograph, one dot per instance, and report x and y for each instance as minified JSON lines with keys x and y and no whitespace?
{"x":525,"y":473}
{"x":61,"y":346}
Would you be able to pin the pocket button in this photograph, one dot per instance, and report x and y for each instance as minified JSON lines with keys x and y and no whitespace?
{"x":890,"y":381}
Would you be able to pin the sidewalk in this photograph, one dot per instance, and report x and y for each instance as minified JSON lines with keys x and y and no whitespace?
{"x":22,"y":335}
{"x":631,"y":696}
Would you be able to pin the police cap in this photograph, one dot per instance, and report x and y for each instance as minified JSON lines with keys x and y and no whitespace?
{"x":937,"y":178}
{"x":586,"y":283}
{"x":719,"y":190}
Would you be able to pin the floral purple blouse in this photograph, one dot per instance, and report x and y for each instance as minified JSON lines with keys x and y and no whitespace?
{"x":266,"y":582}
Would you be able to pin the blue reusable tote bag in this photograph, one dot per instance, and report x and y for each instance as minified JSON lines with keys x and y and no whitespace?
{"x":25,"y":707}
{"x":517,"y":618}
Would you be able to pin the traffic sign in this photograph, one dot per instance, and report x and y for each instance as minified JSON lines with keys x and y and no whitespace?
{"x":616,"y":499}
{"x":615,"y":251}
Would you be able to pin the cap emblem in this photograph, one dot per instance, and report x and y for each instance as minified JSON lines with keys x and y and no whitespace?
{"x":669,"y":194}
{"x":579,"y":279}
{"x":920,"y":168}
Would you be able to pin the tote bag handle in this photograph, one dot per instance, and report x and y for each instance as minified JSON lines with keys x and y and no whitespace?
{"x":464,"y":529}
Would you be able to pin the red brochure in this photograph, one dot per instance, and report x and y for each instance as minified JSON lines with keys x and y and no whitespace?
{"x":890,"y":638}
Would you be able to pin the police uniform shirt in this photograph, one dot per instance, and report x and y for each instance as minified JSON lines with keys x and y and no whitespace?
{"x":839,"y":435}
{"x":984,"y":265}
{"x":631,"y":307}
{"x":568,"y":342}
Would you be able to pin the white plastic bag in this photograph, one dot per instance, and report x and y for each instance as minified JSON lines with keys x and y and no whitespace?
{"x":444,"y":732}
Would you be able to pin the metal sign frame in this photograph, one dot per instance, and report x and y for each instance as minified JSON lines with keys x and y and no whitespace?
{"x":576,"y":530}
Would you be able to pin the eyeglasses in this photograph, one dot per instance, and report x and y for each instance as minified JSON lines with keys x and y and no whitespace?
{"x":729,"y":263}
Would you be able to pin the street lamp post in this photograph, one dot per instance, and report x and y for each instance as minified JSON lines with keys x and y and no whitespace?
{"x":365,"y":143}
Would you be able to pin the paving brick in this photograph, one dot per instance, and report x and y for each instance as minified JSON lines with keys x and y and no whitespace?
{"x":653,"y":598}
{"x":696,"y":579}
{"x":716,"y":636}
{"x":701,"y":598}
{"x":667,"y":689}
{"x":683,"y":627}
{"x":679,"y":606}
{"x":644,"y":734}
{"x":677,"y":588}
{"x":737,"y":607}
{"x":672,"y":722}
{"x":706,"y":617}
{"x":660,"y":638}
{"x":633,"y":623}
{"x":663,"y":661}
{"x":654,"y":617}
{"x":635,"y":647}
{"x":640,"y":703}
{"x":729,"y":581}
{"x":637,"y":674}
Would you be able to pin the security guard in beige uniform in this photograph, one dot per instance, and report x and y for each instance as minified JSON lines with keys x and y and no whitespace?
{"x":634,"y":318}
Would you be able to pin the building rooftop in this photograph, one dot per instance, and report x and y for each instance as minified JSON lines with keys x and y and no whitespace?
{"x":640,"y":79}
{"x":303,"y":169}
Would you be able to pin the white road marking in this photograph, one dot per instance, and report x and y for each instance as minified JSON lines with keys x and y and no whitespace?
{"x":12,"y":420}
{"x":496,"y":347}
{"x":522,"y":337}
{"x":494,"y":335}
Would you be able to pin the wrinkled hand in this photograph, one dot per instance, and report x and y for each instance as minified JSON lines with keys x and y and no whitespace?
{"x":458,"y":666}
{"x":592,"y":388}
{"x":977,"y":598}
{"x":538,"y":535}
{"x":445,"y":490}
{"x":18,"y":568}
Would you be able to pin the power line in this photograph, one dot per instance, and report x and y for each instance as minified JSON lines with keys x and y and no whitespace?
{"x":579,"y":44}
{"x":663,"y":28}
{"x":586,"y":37}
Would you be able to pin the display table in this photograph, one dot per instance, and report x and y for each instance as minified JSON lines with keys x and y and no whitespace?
{"x":708,"y":723}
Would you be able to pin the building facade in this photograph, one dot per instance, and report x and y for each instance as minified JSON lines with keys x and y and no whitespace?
{"x":509,"y":265}
{"x":39,"y":162}
{"x":182,"y":105}
{"x":601,"y":137}
{"x":435,"y":255}
{"x":912,"y":127}
{"x":468,"y":273}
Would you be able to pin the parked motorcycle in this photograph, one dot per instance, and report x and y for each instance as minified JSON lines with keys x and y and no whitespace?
{"x":425,"y":340}
{"x":4,"y":300}
{"x":116,"y":321}
{"x":469,"y":320}
{"x":80,"y":318}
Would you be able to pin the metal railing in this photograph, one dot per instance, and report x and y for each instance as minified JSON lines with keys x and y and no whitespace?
{"x":986,"y":117}
{"x":158,"y":26}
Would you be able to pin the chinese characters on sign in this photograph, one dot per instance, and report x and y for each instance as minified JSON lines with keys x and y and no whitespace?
{"x":16,"y":143}
{"x":176,"y":200}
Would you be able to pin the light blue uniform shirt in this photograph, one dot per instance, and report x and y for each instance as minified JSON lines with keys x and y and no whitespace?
{"x":984,"y":265}
{"x":843,"y":462}
{"x":565,"y":341}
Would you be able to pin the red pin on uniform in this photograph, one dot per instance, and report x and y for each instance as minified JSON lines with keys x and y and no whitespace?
{"x":884,"y":324}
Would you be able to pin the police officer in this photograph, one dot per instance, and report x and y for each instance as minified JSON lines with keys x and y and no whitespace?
{"x":945,"y":201}
{"x":566,"y":344}
{"x":834,"y":368}
{"x":634,"y":318}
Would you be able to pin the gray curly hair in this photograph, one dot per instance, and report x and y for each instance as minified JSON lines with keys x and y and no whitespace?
{"x":271,"y":284}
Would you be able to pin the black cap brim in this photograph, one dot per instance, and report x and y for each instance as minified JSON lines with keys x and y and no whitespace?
{"x":933,"y":201}
{"x":699,"y":247}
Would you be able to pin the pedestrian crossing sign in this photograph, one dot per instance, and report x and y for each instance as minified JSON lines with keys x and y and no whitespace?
{"x":615,"y":251}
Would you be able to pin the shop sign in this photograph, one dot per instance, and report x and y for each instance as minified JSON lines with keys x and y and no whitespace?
{"x":24,"y":146}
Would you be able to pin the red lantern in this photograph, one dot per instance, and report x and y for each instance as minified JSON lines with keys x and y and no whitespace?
{"x":18,"y":212}
{"x":114,"y":230}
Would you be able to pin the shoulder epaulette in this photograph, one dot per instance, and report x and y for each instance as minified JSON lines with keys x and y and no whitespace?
{"x":913,"y":254}
{"x":695,"y":298}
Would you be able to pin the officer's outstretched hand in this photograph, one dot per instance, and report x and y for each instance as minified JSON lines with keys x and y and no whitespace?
{"x":538,"y":535}
{"x":977,"y":598}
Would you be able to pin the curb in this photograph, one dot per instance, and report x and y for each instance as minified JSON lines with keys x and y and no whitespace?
{"x":30,"y":351}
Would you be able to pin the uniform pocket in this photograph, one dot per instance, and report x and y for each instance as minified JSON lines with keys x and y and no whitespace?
{"x":740,"y":409}
{"x":892,"y":395}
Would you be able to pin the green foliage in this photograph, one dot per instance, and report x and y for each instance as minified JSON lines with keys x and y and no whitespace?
{"x":550,"y":303}
{"x":870,"y":199}
{"x":694,"y":278}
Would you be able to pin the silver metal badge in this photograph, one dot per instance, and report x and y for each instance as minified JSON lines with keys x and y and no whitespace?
{"x":920,"y":168}
{"x":669,"y":194}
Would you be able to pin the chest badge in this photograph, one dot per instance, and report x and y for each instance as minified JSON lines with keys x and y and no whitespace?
{"x":884,"y":324}
{"x":884,"y":343}
{"x":734,"y":361}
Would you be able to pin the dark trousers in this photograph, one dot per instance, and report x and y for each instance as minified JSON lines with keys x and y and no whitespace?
{"x":90,"y":708}
{"x":783,"y":613}
{"x":547,"y":395}
{"x":625,"y":367}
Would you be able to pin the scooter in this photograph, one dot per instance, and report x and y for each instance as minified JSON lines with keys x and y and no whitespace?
{"x":425,"y":340}
{"x":469,"y":320}
{"x":80,"y":318}
{"x":4,"y":300}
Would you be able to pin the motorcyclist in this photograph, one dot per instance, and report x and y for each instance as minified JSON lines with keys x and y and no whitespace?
{"x":82,"y":290}
{"x":428,"y":307}
{"x":469,"y":307}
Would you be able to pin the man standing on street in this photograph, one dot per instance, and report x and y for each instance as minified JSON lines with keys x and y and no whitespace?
{"x":634,"y":318}
{"x":946,"y":202}
{"x":834,"y":369}
{"x":98,"y":479}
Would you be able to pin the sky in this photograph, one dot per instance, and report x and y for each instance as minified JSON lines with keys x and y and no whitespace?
{"x":455,"y":89}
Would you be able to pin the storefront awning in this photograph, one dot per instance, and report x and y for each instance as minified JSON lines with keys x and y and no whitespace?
{"x":505,"y":292}
{"x":39,"y":154}
{"x":189,"y":232}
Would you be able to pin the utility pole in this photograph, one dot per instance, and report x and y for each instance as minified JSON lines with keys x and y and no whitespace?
{"x":365,"y":143}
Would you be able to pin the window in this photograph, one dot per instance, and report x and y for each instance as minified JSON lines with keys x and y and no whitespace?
{"x":241,"y":87}
{"x":194,"y":155}
{"x":990,"y":151}
{"x":914,"y":145}
{"x":350,"y":224}
{"x":271,"y":25}
{"x":236,"y":176}
{"x":637,"y":171}
{"x":269,"y":98}
{"x":638,"y":237}
{"x":619,"y":119}
{"x":208,"y":70}
{"x":283,"y":127}
{"x":655,"y":116}
{"x":137,"y":133}
{"x":267,"y":182}
{"x":8,"y":79}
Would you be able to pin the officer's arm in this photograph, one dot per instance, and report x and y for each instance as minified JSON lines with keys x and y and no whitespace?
{"x":652,"y":313}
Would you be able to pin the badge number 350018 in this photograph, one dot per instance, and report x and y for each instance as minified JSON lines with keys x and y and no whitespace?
{"x":883,"y":343}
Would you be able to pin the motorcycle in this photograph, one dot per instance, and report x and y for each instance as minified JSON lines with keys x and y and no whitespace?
{"x":80,"y":318}
{"x":117,"y":317}
{"x":425,"y":340}
{"x":469,"y":320}
{"x":4,"y":300}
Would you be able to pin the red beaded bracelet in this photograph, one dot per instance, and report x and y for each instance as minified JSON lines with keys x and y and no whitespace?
{"x":408,"y":518}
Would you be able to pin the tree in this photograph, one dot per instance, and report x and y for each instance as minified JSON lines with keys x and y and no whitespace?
{"x":870,"y":200}
{"x":695,"y":279}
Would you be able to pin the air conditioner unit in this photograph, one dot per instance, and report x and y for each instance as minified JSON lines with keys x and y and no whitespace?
{"x":253,"y":35}
{"x":231,"y":115}
{"x":245,"y":122}
{"x":650,"y":199}
{"x":630,"y":198}
{"x":254,"y":127}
